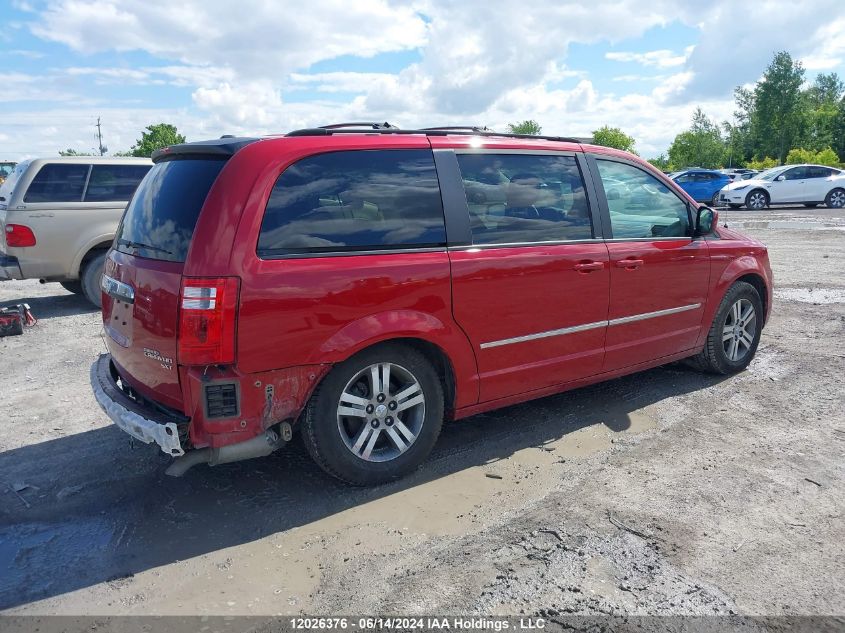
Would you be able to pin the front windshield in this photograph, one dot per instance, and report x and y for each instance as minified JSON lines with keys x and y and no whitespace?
{"x":771,"y":174}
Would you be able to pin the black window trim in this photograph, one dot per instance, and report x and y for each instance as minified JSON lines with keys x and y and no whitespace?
{"x":112,"y":202}
{"x":601,"y":197}
{"x":353,"y":251}
{"x":57,"y":162}
{"x":85,"y":184}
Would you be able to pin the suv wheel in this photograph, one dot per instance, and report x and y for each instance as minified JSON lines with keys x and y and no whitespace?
{"x":835,"y":199}
{"x":735,"y":333}
{"x":757,"y":200}
{"x":376,"y":416}
{"x":90,"y":279}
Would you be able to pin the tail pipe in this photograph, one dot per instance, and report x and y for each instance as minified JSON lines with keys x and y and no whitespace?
{"x":259,"y":446}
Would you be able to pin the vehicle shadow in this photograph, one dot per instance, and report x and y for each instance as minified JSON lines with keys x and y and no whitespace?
{"x":99,"y":511}
{"x":62,"y":303}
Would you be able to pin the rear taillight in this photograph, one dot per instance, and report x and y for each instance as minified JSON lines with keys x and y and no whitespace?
{"x":19,"y":235}
{"x":207,"y":321}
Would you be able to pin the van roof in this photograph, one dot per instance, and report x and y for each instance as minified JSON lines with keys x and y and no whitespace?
{"x":106,"y":160}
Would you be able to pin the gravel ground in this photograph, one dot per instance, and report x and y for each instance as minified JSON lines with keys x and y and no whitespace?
{"x":667,"y":492}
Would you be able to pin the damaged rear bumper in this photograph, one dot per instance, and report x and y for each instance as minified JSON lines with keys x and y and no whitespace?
{"x":143,"y":423}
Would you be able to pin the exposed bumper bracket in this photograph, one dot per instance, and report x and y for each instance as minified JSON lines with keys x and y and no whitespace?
{"x":128,"y":415}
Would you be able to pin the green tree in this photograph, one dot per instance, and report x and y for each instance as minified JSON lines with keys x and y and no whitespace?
{"x":827,"y":157}
{"x":662,"y":163}
{"x":529,"y":126}
{"x":778,"y":117}
{"x":740,"y":141}
{"x":764,"y":163}
{"x":155,"y":137}
{"x":700,"y":146}
{"x":821,"y":102}
{"x":72,"y":152}
{"x":797,"y":156}
{"x":613,"y":137}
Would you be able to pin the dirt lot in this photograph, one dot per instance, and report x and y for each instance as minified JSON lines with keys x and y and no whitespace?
{"x":668,"y":492}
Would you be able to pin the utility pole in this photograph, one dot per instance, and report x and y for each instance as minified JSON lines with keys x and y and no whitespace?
{"x":102,"y":148}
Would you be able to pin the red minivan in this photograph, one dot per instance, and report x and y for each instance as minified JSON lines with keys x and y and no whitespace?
{"x":363,"y":284}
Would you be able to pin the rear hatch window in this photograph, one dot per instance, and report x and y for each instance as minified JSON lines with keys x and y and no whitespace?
{"x":160,"y":219}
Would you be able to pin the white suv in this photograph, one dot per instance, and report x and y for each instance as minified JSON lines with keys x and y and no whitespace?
{"x":58,"y":217}
{"x":809,"y":185}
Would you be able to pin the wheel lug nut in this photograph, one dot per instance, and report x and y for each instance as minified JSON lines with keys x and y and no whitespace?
{"x":380,"y":397}
{"x":392,"y":405}
{"x":388,"y":421}
{"x":370,"y":408}
{"x":374,"y":424}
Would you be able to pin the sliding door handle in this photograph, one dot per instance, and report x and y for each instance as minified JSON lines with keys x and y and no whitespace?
{"x":629,"y":263}
{"x":588,"y":267}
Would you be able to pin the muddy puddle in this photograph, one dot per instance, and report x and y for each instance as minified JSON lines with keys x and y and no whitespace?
{"x":244,"y":541}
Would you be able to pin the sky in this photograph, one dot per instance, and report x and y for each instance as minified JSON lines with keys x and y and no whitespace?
{"x":254,"y":67}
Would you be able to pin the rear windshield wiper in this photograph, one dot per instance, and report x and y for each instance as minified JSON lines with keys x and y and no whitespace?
{"x":132,"y":244}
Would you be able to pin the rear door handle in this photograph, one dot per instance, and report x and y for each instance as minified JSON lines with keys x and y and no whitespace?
{"x":587,"y":267}
{"x":629,"y":263}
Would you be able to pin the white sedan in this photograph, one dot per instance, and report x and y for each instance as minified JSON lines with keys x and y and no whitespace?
{"x":809,"y":185}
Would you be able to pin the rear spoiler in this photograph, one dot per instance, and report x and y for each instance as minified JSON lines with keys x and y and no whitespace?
{"x":216,"y":148}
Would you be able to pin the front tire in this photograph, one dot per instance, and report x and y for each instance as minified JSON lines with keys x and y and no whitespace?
{"x":735,"y":332}
{"x":835,"y":199}
{"x":90,"y":279}
{"x":376,"y":416}
{"x":757,"y":199}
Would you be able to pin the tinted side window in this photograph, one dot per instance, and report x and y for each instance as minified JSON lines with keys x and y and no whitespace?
{"x":518,"y":198}
{"x":819,"y":172}
{"x":796,"y":173}
{"x":685,"y":178}
{"x":640,"y":205}
{"x":354,"y":200}
{"x":58,"y":182}
{"x":114,"y":183}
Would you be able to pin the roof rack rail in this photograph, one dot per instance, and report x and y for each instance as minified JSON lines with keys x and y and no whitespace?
{"x":352,"y":128}
{"x":369,"y":124}
{"x":457,"y":128}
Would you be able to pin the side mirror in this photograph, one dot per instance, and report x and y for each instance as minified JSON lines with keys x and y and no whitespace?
{"x":781,"y":177}
{"x":705,"y":220}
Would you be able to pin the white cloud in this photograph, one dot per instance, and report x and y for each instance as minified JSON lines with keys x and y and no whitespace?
{"x":662,"y":58}
{"x":478,"y":62}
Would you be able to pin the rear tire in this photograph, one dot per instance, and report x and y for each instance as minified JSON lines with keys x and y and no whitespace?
{"x":835,"y":199}
{"x":72,"y":286}
{"x":714,"y":201}
{"x":387,"y":440}
{"x":756,"y":200}
{"x":90,"y":279}
{"x":735,"y":332}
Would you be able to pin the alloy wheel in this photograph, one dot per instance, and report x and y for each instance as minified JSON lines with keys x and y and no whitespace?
{"x":381,"y":412}
{"x":836,"y":199}
{"x":739,"y":330}
{"x":757,"y":200}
